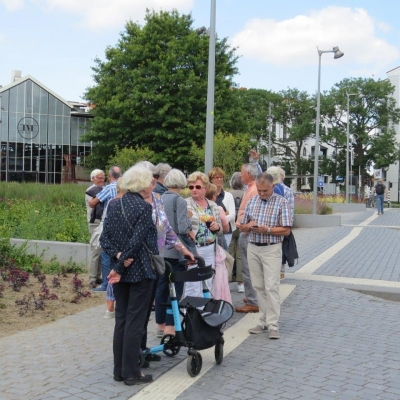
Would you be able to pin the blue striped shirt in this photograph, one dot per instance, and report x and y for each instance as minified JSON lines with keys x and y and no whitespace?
{"x":273,"y":212}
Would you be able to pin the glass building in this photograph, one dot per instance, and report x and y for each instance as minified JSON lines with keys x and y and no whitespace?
{"x":40,"y":134}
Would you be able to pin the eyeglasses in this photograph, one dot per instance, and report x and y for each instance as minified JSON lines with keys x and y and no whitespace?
{"x":198,"y":187}
{"x":218,"y":177}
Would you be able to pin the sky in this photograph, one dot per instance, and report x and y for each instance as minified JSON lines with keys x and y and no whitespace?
{"x":56,"y":41}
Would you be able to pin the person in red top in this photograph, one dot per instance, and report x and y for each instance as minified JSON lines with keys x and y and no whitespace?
{"x":248,"y":174}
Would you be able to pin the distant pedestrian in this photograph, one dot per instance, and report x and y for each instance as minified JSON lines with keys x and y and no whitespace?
{"x":380,"y":191}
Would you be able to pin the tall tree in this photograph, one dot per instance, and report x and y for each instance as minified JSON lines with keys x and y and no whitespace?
{"x":151,"y":90}
{"x":296,"y":113}
{"x":371,"y":120}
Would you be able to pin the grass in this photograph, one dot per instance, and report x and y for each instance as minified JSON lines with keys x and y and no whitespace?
{"x":303,"y":204}
{"x":43,"y":212}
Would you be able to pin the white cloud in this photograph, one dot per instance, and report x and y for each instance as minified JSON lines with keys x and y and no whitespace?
{"x":103,"y":14}
{"x":294,"y":41}
{"x":13,"y":5}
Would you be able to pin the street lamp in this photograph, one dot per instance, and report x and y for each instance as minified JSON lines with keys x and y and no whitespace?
{"x":360,"y":95}
{"x":337,"y":54}
{"x":269,"y":132}
{"x":208,"y":162}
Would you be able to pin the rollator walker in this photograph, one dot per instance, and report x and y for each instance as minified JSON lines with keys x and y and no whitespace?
{"x":202,"y":320}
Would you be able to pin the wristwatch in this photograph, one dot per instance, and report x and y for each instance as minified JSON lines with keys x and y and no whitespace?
{"x":269,"y":230}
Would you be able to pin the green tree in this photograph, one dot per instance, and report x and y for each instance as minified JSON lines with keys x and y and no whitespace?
{"x":129,"y":156}
{"x":151,"y":90}
{"x":371,"y":121}
{"x":229,"y":152}
{"x":296,"y":113}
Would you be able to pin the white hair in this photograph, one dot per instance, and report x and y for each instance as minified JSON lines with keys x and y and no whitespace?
{"x":175,"y":179}
{"x":96,"y":172}
{"x":275,"y":173}
{"x":136,"y":179}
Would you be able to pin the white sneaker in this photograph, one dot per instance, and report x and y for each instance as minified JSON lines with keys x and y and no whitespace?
{"x":110,"y":314}
{"x":240,"y":287}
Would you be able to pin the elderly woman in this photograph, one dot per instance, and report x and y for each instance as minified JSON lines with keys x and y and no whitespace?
{"x":237,"y":193}
{"x":166,"y":239}
{"x":128,"y":228}
{"x":211,"y":194}
{"x":206,"y":225}
{"x":224,"y":200}
{"x":177,"y":214}
{"x":161,"y":171}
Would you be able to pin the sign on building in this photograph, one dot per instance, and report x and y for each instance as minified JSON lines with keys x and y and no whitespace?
{"x":378,"y":174}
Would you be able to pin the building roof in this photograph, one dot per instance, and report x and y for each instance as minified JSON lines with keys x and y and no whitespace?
{"x":394,"y":69}
{"x":29,"y":77}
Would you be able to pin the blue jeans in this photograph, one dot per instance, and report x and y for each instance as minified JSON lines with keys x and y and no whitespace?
{"x":105,"y":268}
{"x":162,"y":294}
{"x":379,"y":201}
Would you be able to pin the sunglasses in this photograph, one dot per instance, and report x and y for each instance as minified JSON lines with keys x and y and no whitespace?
{"x":198,"y":187}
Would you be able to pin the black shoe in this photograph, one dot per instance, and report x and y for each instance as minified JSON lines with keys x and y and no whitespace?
{"x":146,"y":364}
{"x":138,"y":379}
{"x":118,"y":378}
{"x":152,"y":357}
{"x":99,"y":281}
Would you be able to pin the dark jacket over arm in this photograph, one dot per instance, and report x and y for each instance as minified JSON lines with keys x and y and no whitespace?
{"x":126,"y":233}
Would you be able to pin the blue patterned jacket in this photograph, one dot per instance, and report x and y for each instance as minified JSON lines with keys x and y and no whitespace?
{"x":126,"y":234}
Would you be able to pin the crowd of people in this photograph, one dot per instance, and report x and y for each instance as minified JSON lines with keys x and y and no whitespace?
{"x":142,"y":213}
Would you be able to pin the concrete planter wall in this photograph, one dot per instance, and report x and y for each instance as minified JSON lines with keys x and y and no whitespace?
{"x":316,"y":221}
{"x":343,"y":207}
{"x":64,"y":251}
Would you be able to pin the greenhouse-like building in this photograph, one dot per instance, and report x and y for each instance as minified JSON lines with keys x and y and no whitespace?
{"x":40,"y":134}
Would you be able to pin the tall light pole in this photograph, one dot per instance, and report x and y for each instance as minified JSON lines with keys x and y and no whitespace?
{"x":347,"y":142}
{"x":269,"y":132}
{"x":208,"y":162}
{"x":337,"y":54}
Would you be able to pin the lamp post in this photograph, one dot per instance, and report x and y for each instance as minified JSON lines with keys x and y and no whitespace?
{"x":208,"y":162}
{"x":337,"y":54}
{"x":269,"y":132}
{"x":347,"y":142}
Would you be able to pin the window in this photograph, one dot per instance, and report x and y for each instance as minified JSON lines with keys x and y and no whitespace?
{"x":304,"y":152}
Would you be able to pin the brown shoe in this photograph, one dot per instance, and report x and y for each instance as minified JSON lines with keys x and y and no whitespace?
{"x":247,"y":308}
{"x":245,"y":299}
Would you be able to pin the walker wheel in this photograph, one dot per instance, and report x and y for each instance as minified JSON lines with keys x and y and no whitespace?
{"x":194,"y":364}
{"x":171,"y":347}
{"x":141,"y":359}
{"x":219,"y":353}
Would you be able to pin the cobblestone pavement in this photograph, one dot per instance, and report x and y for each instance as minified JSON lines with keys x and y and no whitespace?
{"x":336,"y":343}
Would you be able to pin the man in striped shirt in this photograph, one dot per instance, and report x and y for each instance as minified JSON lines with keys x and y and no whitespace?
{"x":266,"y":219}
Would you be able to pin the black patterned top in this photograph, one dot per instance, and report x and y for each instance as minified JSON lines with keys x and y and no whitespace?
{"x":126,"y":234}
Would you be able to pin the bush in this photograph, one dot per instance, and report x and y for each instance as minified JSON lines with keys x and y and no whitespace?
{"x":43,"y":212}
{"x":303,"y":204}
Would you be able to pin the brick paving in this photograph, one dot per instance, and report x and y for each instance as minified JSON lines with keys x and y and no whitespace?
{"x":335,"y":343}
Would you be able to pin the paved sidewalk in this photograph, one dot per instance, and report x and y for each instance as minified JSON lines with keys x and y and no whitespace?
{"x":336,"y":341}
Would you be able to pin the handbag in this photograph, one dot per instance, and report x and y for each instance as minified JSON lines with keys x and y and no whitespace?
{"x":229,"y":261}
{"x":157,"y":262}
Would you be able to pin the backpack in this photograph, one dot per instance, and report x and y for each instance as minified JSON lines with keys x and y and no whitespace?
{"x":379,"y":188}
{"x":238,"y":200}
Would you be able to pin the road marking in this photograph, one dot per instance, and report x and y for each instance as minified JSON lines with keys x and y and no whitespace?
{"x":176,"y":380}
{"x":342,"y":280}
{"x":315,"y":263}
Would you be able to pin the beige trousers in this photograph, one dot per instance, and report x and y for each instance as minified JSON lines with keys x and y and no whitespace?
{"x":94,"y":262}
{"x":265,"y":265}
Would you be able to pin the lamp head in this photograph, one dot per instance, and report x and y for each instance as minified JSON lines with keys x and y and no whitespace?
{"x":337,"y":52}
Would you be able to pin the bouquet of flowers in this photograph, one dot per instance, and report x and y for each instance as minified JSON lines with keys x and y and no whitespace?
{"x":207,"y":219}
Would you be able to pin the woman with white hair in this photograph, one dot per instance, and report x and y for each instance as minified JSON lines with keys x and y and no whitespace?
{"x":128,"y":229}
{"x":176,"y":210}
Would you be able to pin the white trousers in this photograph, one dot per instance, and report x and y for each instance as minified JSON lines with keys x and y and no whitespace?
{"x":196,"y":288}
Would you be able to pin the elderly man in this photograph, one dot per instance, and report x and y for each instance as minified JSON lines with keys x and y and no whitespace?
{"x":280,"y":188}
{"x":94,"y":218}
{"x":266,"y":220}
{"x":248,"y":174}
{"x":103,"y":197}
{"x":160,"y":174}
